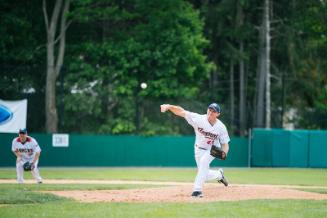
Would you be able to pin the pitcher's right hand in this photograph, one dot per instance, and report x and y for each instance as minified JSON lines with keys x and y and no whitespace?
{"x":164,"y":108}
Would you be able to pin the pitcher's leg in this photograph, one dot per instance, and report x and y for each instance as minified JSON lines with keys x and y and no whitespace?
{"x":20,"y":172}
{"x":203,"y":170}
{"x":214,"y":175}
{"x":36,"y":174}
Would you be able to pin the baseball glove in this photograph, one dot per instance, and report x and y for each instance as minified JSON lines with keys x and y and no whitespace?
{"x":28,"y":166}
{"x":217,"y":153}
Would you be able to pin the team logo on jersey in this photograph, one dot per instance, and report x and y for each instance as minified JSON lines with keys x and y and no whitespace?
{"x":207,"y":134}
{"x":25,"y":150}
{"x":5,"y":114}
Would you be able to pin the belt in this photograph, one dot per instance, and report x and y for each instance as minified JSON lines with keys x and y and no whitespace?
{"x":200,"y":148}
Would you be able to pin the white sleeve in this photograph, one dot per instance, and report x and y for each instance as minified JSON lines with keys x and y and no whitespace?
{"x":36,"y":146}
{"x":224,"y":137}
{"x":13,"y":145}
{"x":190,"y":117}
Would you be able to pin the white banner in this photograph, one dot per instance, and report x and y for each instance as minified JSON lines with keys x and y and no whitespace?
{"x":60,"y":140}
{"x":13,"y":115}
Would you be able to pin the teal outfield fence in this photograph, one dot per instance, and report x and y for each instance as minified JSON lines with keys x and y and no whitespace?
{"x":102,"y":150}
{"x":267,"y":148}
{"x":282,"y":148}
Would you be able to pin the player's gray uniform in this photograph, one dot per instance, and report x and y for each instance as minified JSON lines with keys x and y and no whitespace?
{"x":28,"y":149}
{"x":206,"y":135}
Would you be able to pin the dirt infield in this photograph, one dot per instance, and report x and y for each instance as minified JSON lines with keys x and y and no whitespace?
{"x":180,"y":192}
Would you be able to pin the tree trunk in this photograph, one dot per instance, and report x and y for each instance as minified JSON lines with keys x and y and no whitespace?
{"x":267,"y":62}
{"x":50,"y":101}
{"x":291,"y":61}
{"x":231,"y":93}
{"x":242,"y":94}
{"x":214,"y":81}
{"x":242,"y":106}
{"x":54,"y":63}
{"x":263,"y":71}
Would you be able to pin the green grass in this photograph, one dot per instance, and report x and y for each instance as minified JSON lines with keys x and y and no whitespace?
{"x":16,"y":196}
{"x":277,"y":176}
{"x":25,"y":201}
{"x":30,"y":193}
{"x":263,"y":208}
{"x":147,"y":174}
{"x":57,"y":187}
{"x":321,"y":191}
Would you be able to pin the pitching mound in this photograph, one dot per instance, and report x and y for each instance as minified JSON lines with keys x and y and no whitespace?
{"x":181,"y":193}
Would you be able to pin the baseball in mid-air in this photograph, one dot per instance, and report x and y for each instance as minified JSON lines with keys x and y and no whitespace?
{"x":144,"y":85}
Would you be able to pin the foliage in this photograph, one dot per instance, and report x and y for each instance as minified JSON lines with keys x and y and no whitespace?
{"x":149,"y":42}
{"x":21,"y":57}
{"x":306,"y":33}
{"x":182,"y":49}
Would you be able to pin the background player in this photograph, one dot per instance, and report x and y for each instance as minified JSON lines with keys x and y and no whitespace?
{"x":209,"y":131}
{"x":26,"y":149}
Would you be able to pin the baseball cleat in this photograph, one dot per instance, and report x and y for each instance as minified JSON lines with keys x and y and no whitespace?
{"x":223,"y":180}
{"x":197,"y":194}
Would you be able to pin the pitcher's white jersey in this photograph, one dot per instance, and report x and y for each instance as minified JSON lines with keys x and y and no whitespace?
{"x":207,"y":135}
{"x":26,"y":149}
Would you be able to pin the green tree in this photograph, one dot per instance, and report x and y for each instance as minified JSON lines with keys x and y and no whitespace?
{"x":56,"y":43}
{"x":157,"y":42}
{"x":21,"y":57}
{"x":313,"y":67}
{"x":230,"y":28}
{"x":300,"y":55}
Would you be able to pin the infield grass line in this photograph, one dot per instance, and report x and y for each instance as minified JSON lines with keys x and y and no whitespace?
{"x":271,"y":176}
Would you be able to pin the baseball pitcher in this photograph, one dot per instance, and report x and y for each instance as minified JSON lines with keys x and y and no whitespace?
{"x":27,"y":152}
{"x":211,"y":141}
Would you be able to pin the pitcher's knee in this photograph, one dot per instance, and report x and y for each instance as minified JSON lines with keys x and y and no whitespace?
{"x":204,"y":163}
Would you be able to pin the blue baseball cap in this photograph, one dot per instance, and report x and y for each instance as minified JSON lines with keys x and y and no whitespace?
{"x":22,"y":131}
{"x":215,"y":107}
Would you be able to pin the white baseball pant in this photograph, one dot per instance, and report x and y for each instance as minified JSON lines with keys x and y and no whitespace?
{"x":203,"y":160}
{"x":20,"y":172}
